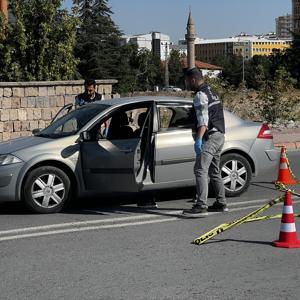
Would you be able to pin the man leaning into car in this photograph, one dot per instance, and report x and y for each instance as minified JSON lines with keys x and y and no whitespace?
{"x":89,"y":95}
{"x":208,"y":145}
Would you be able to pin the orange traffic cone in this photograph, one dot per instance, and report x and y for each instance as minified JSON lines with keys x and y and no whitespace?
{"x":284,"y":174}
{"x":288,"y":234}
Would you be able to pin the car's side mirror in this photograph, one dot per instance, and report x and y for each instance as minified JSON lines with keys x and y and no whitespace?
{"x":84,"y":136}
{"x":36,"y":131}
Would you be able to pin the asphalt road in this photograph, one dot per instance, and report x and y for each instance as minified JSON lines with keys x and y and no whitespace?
{"x":113,"y":250}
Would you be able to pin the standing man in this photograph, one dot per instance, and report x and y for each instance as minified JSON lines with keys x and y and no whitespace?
{"x":208,"y":145}
{"x":89,"y":95}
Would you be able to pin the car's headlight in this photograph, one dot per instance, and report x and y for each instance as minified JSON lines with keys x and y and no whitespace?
{"x":7,"y":159}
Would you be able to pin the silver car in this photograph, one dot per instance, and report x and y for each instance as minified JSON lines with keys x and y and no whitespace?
{"x":124,"y":145}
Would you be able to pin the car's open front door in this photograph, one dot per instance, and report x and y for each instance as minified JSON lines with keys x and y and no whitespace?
{"x":115,"y":163}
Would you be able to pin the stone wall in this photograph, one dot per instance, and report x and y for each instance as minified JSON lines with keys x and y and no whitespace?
{"x":25,"y":106}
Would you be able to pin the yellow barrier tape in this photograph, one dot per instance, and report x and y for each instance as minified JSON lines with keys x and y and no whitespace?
{"x":225,"y":226}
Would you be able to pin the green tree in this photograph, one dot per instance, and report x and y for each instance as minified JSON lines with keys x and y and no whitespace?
{"x":176,"y":75}
{"x":39,"y":44}
{"x":277,"y":101}
{"x":97,"y":39}
{"x":292,"y":59}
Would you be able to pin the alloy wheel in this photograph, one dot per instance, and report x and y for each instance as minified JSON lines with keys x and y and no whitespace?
{"x":48,"y":190}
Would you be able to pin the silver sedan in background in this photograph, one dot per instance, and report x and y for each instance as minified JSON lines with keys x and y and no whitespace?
{"x":125,"y":145}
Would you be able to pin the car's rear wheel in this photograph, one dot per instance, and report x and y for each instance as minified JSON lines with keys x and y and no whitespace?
{"x":236,"y":174}
{"x":46,"y":189}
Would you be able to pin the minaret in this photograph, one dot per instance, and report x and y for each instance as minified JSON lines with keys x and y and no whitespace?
{"x":4,"y":7}
{"x":190,"y":41}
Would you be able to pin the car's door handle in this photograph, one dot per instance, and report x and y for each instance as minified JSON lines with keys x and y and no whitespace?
{"x":126,"y":150}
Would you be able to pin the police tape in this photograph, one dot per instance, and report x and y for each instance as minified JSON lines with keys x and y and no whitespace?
{"x":262,"y":218}
{"x":225,"y":226}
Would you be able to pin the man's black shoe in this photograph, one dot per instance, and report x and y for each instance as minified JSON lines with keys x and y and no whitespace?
{"x":218,"y":207}
{"x":196,"y":212}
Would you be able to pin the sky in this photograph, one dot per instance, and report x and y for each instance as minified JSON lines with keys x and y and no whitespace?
{"x":212,"y":18}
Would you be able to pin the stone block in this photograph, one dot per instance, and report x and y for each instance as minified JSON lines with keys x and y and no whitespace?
{"x":54,"y":112}
{"x":1,"y":99}
{"x":6,"y":136}
{"x":25,"y":125}
{"x":69,"y":90}
{"x":52,"y":101}
{"x":37,"y":114}
{"x":4,"y":115}
{"x":8,"y":126}
{"x":77,"y":90}
{"x":18,"y":92}
{"x":100,"y":89}
{"x":43,"y":91}
{"x":17,"y":126}
{"x":46,"y":102}
{"x":30,"y":102}
{"x":47,"y":123}
{"x":107,"y":89}
{"x":46,"y":114}
{"x":60,"y":101}
{"x":13,"y":115}
{"x":1,"y":126}
{"x":6,"y":103}
{"x":24,"y":103}
{"x":69,"y":99}
{"x":33,"y":125}
{"x":15,"y":102}
{"x":30,"y":114}
{"x":7,"y":92}
{"x":15,"y":135}
{"x":22,"y":114}
{"x":51,"y":91}
{"x":1,"y":136}
{"x":31,"y":92}
{"x":1,"y":92}
{"x":42,"y":124}
{"x":25,"y":133}
{"x":39,"y":102}
{"x":60,"y":90}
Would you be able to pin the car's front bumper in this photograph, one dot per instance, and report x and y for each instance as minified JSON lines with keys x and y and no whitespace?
{"x":8,"y":181}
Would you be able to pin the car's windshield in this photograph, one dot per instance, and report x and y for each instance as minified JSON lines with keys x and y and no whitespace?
{"x":72,"y":122}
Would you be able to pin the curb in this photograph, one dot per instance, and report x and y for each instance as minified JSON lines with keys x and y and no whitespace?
{"x":289,"y":145}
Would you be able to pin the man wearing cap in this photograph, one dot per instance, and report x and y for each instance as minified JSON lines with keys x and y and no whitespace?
{"x":209,"y":141}
{"x":89,"y":95}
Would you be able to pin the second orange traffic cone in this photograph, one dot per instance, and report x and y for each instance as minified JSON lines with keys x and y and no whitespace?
{"x":284,"y":174}
{"x":288,"y":234}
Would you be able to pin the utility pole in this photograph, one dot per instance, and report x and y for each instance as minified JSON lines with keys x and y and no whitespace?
{"x":166,"y":66}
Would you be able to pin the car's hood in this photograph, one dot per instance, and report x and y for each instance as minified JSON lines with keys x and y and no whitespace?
{"x":20,"y":143}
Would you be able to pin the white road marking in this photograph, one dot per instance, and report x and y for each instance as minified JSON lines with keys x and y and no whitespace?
{"x":45,"y":233}
{"x":46,"y":230}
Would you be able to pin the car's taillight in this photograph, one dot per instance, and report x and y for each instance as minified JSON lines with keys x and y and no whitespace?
{"x":265,"y":132}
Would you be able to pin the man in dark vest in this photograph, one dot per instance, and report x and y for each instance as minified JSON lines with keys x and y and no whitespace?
{"x":89,"y":95}
{"x":209,"y":141}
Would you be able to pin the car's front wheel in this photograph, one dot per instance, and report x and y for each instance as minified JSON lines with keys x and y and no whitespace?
{"x":236,"y":174}
{"x":46,"y":189}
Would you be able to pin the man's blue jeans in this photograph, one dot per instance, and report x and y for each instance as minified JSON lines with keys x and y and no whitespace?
{"x":207,"y":167}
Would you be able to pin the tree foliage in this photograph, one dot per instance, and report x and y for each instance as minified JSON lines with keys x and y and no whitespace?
{"x":97,"y":39}
{"x":176,"y":75}
{"x":39,"y":44}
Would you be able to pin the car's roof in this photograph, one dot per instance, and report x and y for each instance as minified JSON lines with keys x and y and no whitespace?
{"x":129,"y":100}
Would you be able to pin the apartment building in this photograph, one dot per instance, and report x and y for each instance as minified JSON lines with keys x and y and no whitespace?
{"x":296,"y":16}
{"x":244,"y":45}
{"x":284,"y":26}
